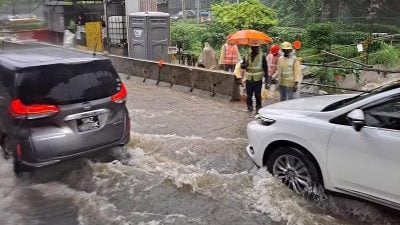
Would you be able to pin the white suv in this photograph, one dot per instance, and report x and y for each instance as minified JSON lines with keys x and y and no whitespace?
{"x":346,"y":143}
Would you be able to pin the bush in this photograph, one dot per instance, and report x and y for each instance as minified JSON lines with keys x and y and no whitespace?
{"x":290,"y":34}
{"x":345,"y":51}
{"x":347,"y":38}
{"x":190,"y":35}
{"x":375,"y":28}
{"x":319,"y":36}
{"x":389,"y":56}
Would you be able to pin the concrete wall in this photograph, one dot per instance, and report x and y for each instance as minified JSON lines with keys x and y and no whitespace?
{"x":217,"y":82}
{"x":197,"y":78}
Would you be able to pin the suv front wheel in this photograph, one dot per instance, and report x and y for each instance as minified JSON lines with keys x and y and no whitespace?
{"x":295,"y":170}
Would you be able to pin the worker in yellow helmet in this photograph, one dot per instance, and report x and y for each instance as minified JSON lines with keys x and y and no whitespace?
{"x":288,"y":74}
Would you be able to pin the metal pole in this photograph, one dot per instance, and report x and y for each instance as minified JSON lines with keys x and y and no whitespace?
{"x":334,"y":87}
{"x":198,"y":11}
{"x":183,"y":10}
{"x":341,"y":57}
{"x":350,"y":68}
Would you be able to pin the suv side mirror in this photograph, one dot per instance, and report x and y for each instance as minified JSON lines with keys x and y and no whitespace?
{"x":357,"y":119}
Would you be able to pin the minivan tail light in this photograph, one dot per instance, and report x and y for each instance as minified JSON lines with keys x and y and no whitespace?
{"x":35,"y":111}
{"x":120,"y":96}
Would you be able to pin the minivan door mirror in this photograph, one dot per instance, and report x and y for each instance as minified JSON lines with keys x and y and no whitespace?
{"x":357,"y":119}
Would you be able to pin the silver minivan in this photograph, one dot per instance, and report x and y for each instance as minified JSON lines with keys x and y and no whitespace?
{"x":58,"y":104}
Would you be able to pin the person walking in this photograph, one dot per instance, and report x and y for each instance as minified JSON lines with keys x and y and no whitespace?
{"x":288,"y":74}
{"x":272,"y":61}
{"x":256,"y":68}
{"x":207,"y":58}
{"x":229,"y":57}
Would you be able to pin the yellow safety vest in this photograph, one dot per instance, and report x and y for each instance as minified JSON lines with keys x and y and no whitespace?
{"x":290,"y":74}
{"x":254,"y":71}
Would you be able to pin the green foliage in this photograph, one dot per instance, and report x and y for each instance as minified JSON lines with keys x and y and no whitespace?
{"x":295,"y":13}
{"x":347,"y":38}
{"x":319,"y":35}
{"x":326,"y":75}
{"x":281,"y":34}
{"x":376,"y":46}
{"x":374,"y":28}
{"x":216,"y":34}
{"x":345,"y":51}
{"x":248,"y":14}
{"x":389,"y":56}
{"x":190,"y":35}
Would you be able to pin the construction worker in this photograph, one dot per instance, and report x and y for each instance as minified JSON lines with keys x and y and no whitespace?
{"x":272,"y":61}
{"x":230,"y":55}
{"x":256,"y":68}
{"x":288,"y":74}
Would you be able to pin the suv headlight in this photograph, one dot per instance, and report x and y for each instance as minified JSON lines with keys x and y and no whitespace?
{"x":263,"y":120}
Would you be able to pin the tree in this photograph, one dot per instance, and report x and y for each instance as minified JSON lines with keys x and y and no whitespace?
{"x":249,"y":14}
{"x":296,"y":12}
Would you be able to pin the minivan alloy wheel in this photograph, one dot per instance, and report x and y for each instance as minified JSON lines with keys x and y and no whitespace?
{"x":293,"y":173}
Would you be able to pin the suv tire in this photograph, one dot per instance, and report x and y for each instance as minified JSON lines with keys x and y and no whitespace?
{"x":296,"y":170}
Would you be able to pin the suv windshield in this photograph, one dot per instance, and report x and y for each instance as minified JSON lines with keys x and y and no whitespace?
{"x":67,"y":83}
{"x":359,"y":97}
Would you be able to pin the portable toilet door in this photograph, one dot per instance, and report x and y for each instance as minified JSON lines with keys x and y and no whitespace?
{"x":137,"y":37}
{"x":158,"y":36}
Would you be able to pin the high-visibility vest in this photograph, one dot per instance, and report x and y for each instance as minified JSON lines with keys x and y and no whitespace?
{"x":231,"y":55}
{"x":272,"y":62}
{"x":287,"y":78}
{"x":255,"y":72}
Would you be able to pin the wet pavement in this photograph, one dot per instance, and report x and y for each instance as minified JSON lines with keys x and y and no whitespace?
{"x":188,"y":166}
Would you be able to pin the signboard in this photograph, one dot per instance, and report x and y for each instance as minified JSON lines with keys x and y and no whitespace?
{"x":297,"y":45}
{"x":138,"y":32}
{"x":172,"y":50}
{"x":360,"y":48}
{"x":94,"y":36}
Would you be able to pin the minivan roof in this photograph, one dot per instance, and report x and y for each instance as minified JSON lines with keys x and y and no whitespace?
{"x":19,"y":59}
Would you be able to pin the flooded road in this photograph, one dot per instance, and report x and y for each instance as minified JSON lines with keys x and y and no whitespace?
{"x":187,"y":166}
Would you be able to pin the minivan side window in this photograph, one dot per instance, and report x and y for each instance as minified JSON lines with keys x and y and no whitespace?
{"x":385,"y":115}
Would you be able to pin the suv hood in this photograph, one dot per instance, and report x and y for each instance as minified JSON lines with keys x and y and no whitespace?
{"x":304,"y":106}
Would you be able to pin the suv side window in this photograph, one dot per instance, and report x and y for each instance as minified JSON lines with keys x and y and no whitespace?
{"x":385,"y":115}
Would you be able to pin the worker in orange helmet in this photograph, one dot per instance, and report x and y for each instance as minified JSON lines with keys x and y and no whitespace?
{"x":272,"y":61}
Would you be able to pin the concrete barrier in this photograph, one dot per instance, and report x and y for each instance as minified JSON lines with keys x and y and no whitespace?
{"x":214,"y":81}
{"x":196,"y":78}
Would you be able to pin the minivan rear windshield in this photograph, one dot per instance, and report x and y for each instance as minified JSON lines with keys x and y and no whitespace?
{"x":67,"y":83}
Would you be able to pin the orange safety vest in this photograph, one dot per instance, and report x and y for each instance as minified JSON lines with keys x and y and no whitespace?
{"x":231,"y":57}
{"x":272,"y":62}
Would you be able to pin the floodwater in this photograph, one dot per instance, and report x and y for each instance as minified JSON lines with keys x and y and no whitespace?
{"x":188,"y":166}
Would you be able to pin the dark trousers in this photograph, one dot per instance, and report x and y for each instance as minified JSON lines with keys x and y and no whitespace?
{"x":229,"y":67}
{"x":253,"y":88}
{"x":286,"y":93}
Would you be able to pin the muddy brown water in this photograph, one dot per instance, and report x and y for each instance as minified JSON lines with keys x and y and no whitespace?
{"x":188,"y":166}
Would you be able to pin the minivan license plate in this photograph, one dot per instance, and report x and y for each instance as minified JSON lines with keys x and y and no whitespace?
{"x":88,"y":123}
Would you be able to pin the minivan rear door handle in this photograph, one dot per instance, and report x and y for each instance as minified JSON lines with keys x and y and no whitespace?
{"x":86,"y":114}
